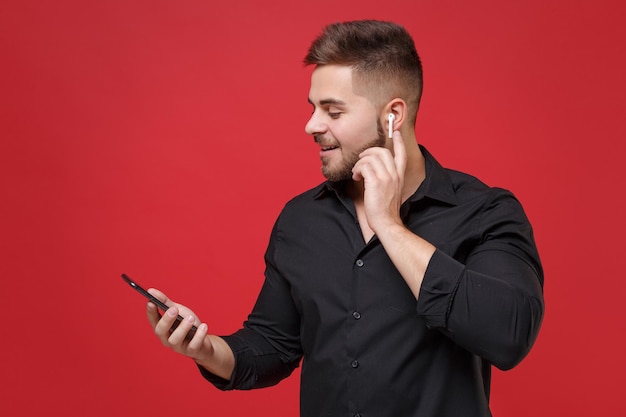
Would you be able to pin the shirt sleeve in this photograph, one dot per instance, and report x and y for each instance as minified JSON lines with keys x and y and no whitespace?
{"x":492,"y":304}
{"x":267,"y":349}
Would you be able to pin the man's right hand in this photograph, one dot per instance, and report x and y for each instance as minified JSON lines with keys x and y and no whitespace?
{"x":208,"y":351}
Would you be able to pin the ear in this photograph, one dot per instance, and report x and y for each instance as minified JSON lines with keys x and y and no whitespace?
{"x":398,"y":108}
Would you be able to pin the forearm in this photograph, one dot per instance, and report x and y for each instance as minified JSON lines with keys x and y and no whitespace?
{"x":257,"y":364}
{"x":221,"y":362}
{"x":267,"y":348}
{"x":409,"y":253}
{"x":502,"y":323}
{"x":492,"y":306}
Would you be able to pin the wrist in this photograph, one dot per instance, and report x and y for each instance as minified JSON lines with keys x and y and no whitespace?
{"x":216,"y":357}
{"x":388,"y":225}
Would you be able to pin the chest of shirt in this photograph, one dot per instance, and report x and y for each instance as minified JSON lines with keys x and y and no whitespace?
{"x":331,"y":270}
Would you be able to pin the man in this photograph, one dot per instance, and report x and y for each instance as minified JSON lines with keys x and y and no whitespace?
{"x":397,"y":282}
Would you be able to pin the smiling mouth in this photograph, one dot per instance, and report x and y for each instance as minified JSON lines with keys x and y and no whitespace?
{"x":328,"y":148}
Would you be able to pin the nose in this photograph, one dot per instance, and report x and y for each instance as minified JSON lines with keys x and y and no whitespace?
{"x":315,"y":126}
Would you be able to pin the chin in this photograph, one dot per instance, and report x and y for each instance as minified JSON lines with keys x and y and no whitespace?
{"x":336,"y":175}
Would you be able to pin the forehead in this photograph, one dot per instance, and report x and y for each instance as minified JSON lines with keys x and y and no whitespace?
{"x":333,"y":82}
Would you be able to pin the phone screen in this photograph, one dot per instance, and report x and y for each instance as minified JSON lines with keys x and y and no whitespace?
{"x":158,"y":303}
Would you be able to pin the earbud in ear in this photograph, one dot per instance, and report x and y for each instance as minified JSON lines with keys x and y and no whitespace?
{"x":391,"y":118}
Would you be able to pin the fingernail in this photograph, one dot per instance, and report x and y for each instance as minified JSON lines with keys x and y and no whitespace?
{"x":172,"y":312}
{"x":190,"y":319}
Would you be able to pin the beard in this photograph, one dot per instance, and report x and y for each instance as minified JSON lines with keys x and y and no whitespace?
{"x":344,"y":170}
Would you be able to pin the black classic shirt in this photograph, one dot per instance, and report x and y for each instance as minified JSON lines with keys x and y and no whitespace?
{"x":369,"y":347}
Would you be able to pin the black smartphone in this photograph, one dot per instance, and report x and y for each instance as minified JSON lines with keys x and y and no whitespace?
{"x":159,"y":304}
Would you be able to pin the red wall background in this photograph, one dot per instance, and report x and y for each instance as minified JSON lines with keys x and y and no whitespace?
{"x":161,"y":139}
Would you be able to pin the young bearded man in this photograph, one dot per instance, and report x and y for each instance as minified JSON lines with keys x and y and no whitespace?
{"x":398,"y":283}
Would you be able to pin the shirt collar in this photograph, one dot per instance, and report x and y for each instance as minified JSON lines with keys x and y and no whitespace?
{"x":437,"y":184}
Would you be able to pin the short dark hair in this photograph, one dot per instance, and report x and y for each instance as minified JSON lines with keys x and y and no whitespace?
{"x":382,"y":56}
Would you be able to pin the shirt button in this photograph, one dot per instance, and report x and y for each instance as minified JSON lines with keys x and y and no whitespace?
{"x":355,"y":363}
{"x":359,"y":262}
{"x":356,"y":315}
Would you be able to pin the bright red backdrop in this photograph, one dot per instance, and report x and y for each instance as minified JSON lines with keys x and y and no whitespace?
{"x":162,"y":138}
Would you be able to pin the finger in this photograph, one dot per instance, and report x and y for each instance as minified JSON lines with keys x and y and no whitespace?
{"x":179,"y":335}
{"x":379,"y":167}
{"x":153,"y":314}
{"x":197,"y":341}
{"x":383,"y":154}
{"x":161,"y":296}
{"x":362,"y":172}
{"x":162,"y":328}
{"x":399,"y":153}
{"x":182,"y":310}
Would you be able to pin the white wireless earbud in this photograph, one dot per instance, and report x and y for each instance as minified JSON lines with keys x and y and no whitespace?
{"x":391,"y":118}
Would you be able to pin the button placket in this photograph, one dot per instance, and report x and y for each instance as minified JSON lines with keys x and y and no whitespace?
{"x":358,"y":274}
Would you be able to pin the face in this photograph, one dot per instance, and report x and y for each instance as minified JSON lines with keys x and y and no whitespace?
{"x":343,"y":123}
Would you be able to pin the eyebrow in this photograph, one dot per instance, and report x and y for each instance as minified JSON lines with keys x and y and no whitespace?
{"x":328,"y":101}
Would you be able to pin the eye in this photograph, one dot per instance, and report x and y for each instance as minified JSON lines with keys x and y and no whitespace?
{"x":334,"y":115}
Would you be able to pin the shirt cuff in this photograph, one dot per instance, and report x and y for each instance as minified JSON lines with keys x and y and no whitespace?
{"x":440,"y":283}
{"x":237,"y":345}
